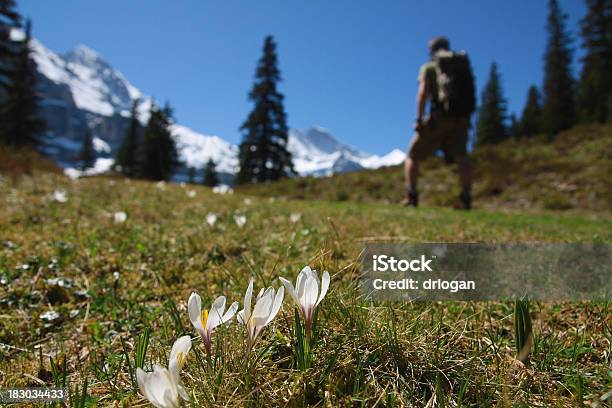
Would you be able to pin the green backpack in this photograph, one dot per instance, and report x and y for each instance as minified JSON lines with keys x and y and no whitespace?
{"x":455,"y":83}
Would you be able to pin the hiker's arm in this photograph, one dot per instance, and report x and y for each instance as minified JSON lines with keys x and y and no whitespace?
{"x":420,"y":102}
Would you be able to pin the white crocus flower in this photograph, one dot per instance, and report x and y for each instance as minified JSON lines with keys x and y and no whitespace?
{"x":295,"y":217}
{"x":191,"y":193}
{"x":306,"y":293}
{"x":162,"y":387}
{"x":211,"y":219}
{"x":119,"y":217}
{"x":267,"y":305}
{"x":60,"y":196}
{"x":240,"y":220}
{"x":205,"y":321}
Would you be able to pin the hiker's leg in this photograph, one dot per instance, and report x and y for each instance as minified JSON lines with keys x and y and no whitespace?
{"x":457,"y":145}
{"x":424,"y":144}
{"x":411,"y":173}
{"x":465,"y":174}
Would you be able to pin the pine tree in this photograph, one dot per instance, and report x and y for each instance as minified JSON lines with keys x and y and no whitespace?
{"x":87,"y":154}
{"x":263,"y":152}
{"x":595,"y":84}
{"x":210,"y":178}
{"x":558,"y":112}
{"x":9,"y":19}
{"x":490,"y":127}
{"x":191,"y":173}
{"x":157,"y":154}
{"x":125,"y":161}
{"x":532,"y":114}
{"x":20,"y":124}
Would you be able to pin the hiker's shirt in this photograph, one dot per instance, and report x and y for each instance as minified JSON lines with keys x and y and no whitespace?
{"x":427,"y":75}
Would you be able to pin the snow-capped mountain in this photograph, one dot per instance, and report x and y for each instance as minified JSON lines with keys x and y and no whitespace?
{"x":317,"y":152}
{"x":82,"y":92}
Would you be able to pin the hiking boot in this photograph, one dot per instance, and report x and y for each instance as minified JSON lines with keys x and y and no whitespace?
{"x":464,"y":202}
{"x":411,"y":200}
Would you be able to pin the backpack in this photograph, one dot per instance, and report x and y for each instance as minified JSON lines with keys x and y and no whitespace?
{"x":455,"y":83}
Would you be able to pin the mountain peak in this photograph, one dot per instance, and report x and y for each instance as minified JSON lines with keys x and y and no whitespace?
{"x":84,"y":55}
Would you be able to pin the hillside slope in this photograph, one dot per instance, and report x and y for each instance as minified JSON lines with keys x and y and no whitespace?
{"x":78,"y":285}
{"x":572,"y":172}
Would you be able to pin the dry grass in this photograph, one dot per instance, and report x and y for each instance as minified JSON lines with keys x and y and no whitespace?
{"x":125,"y":277}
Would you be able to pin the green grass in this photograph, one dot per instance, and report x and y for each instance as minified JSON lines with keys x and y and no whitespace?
{"x":127,"y":278}
{"x":571,"y":173}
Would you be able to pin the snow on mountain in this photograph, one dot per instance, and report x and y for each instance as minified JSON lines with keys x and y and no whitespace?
{"x":82,"y":92}
{"x":101,"y":146}
{"x":196,"y":149}
{"x":96,"y":86}
{"x":317,"y":152}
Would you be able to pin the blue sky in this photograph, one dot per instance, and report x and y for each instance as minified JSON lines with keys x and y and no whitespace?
{"x":349,"y":66}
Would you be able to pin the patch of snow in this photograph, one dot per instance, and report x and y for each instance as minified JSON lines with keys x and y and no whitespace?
{"x":101,"y":146}
{"x":196,"y":149}
{"x":102,"y":165}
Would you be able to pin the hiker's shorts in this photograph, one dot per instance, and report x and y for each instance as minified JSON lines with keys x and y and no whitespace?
{"x":449,"y":134}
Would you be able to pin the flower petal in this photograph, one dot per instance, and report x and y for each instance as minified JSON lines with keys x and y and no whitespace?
{"x":311,"y":293}
{"x":262,"y":310}
{"x":159,"y":389}
{"x":194,"y":307}
{"x":289,"y":286}
{"x":247,"y":302}
{"x":183,"y":393}
{"x":301,"y":281}
{"x":278,"y":301}
{"x":240,"y":317}
{"x":262,"y":292}
{"x":181,"y":347}
{"x":174,"y":371}
{"x":141,"y":378}
{"x":231,"y":311}
{"x":324,"y":286}
{"x":215,"y":314}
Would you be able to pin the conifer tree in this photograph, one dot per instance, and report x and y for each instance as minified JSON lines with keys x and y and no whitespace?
{"x":210,"y":178}
{"x":157,"y":153}
{"x":595,"y":83}
{"x":263,"y":152}
{"x":20,"y":124}
{"x":532,"y":114}
{"x":87,"y":154}
{"x":558,"y":112}
{"x":126,"y":160}
{"x":9,"y":19}
{"x":191,"y":173}
{"x":490,"y":127}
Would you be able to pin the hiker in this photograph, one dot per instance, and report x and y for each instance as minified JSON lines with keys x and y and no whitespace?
{"x":448,"y":84}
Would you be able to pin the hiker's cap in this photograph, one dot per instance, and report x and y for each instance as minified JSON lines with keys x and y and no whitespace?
{"x":438,"y":43}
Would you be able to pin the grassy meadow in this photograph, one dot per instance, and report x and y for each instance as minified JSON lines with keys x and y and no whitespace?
{"x":80,"y":290}
{"x":573,"y":173}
